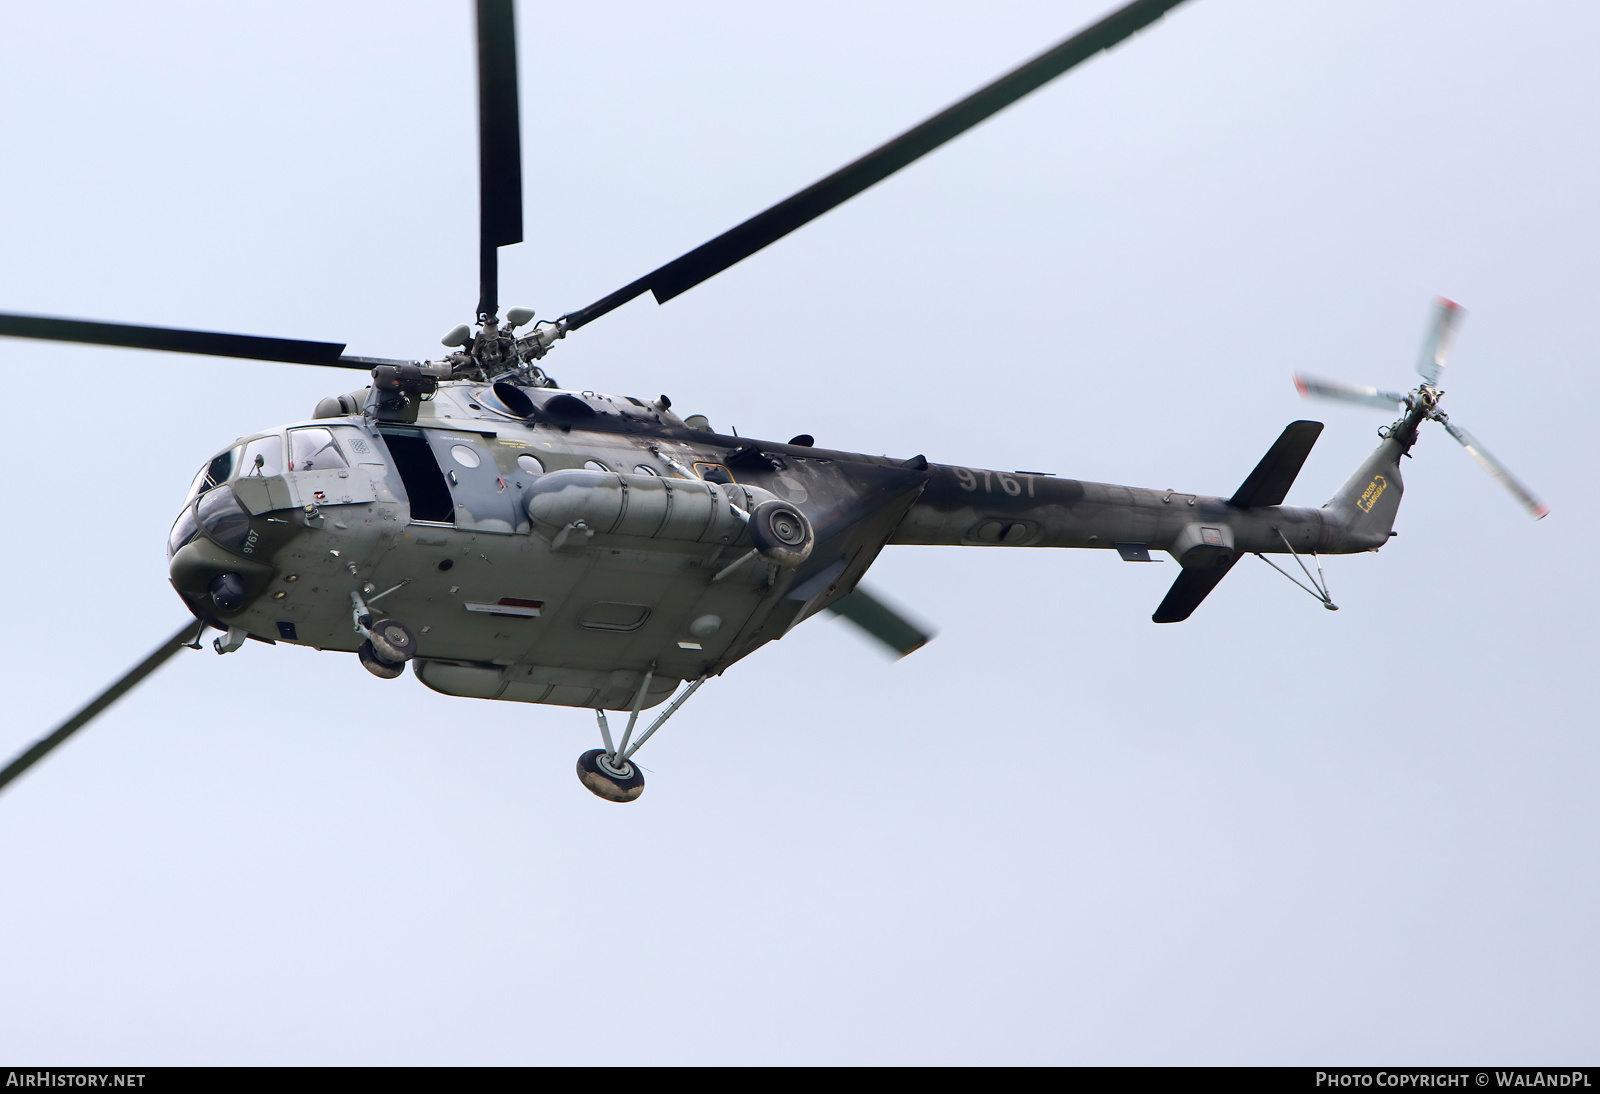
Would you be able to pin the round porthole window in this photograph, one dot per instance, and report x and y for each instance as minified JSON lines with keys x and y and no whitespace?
{"x":595,"y":465}
{"x":466,"y":457}
{"x":530,"y":464}
{"x":646,"y":469}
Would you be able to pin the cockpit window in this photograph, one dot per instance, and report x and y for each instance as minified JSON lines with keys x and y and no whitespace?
{"x":269,"y":450}
{"x":183,"y":530}
{"x":218,"y":471}
{"x":223,"y":518}
{"x":198,"y":486}
{"x":221,"y":469}
{"x":313,"y":450}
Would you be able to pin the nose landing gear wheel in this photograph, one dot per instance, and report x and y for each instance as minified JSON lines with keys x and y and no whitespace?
{"x":384,"y":670}
{"x":392,"y":640}
{"x":621,"y":783}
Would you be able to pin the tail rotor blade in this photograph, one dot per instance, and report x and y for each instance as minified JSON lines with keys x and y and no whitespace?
{"x":1437,"y":347}
{"x":1312,"y":388}
{"x":188,"y":633}
{"x":1498,"y":470}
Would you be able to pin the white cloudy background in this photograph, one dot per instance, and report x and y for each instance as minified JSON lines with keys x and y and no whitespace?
{"x":1058,"y":834}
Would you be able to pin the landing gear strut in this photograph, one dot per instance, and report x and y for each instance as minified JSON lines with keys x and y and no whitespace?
{"x":609,"y":772}
{"x":389,"y":643}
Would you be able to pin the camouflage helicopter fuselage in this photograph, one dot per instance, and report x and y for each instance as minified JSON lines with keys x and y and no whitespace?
{"x":517,"y":541}
{"x":558,"y":549}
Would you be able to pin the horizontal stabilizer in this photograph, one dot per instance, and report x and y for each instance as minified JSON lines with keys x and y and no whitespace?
{"x":1192,"y":586}
{"x":881,"y":622}
{"x":1269,"y":483}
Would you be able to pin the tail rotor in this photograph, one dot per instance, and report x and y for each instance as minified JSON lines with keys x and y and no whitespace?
{"x":1423,"y":402}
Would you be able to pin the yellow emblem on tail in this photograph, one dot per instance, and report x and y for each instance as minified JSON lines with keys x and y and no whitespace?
{"x":1369,"y":497}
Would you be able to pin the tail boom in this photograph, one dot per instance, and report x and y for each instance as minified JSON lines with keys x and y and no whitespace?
{"x":1205,"y":533}
{"x":973,"y":507}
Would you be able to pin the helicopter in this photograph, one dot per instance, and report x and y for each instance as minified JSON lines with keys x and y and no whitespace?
{"x":512,"y":539}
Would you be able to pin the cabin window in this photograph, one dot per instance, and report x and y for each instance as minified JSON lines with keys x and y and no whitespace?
{"x":424,"y":482}
{"x":465,"y":456}
{"x":530,"y":464}
{"x":313,"y":450}
{"x":269,"y":451}
{"x":595,"y":465}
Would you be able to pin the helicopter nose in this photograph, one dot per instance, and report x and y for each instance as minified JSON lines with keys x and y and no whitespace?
{"x":208,"y":558}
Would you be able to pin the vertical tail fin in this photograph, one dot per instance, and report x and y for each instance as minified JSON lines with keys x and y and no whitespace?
{"x":1366,"y":504}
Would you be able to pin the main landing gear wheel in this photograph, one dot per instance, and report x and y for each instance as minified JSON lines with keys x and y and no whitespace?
{"x":607,"y":771}
{"x":384,"y":670}
{"x":392,"y":641}
{"x":613,"y":783}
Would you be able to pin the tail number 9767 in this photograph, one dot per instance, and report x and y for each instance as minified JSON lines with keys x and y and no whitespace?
{"x":1011,"y":484}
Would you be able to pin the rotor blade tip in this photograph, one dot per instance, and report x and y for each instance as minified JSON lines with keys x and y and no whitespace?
{"x":1540,"y":512}
{"x":1300,"y":386}
{"x":1445,"y":301}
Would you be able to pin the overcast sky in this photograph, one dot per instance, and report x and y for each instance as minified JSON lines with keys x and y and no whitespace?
{"x":1058,"y":834}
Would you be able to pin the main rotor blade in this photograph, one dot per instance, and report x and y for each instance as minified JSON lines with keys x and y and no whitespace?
{"x":174,"y":340}
{"x":499,"y":145}
{"x":712,"y":258}
{"x":1538,"y":508}
{"x":894,"y":630}
{"x":188,"y":633}
{"x":1436,"y":348}
{"x":1312,"y":388}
